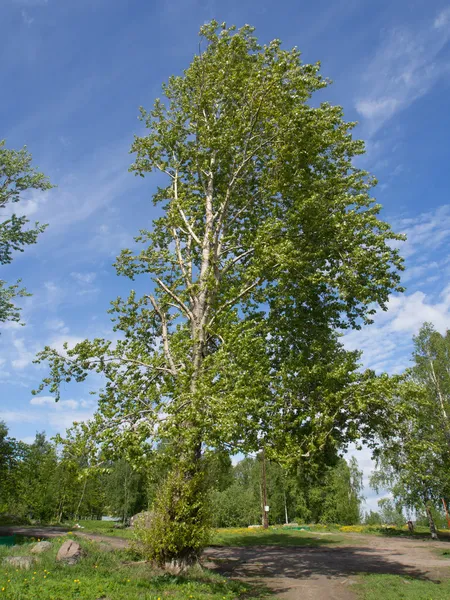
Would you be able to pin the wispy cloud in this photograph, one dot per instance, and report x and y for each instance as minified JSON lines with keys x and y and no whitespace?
{"x":26,"y":17}
{"x":84,"y":278}
{"x":426,"y":232}
{"x":387,"y":344}
{"x":405,"y":67}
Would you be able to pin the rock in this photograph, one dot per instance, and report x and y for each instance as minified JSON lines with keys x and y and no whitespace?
{"x":70,"y":553}
{"x":19,"y":562}
{"x":144,"y":518}
{"x":41,"y":547}
{"x":255,"y":526}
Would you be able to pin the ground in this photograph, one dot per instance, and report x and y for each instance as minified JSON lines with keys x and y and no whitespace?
{"x":318,"y":566}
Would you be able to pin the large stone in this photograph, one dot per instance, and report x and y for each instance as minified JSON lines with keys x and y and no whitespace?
{"x":41,"y":547}
{"x":143,"y":518}
{"x":70,"y":553}
{"x":19,"y":562}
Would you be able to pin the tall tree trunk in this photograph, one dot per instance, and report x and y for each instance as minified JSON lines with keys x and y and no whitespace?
{"x":265,"y":516}
{"x":433,"y":530}
{"x":77,"y":516}
{"x":285,"y":507}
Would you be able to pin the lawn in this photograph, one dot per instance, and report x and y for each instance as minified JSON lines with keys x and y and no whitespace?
{"x":273,"y":537}
{"x":396,"y":587}
{"x":235,"y":537}
{"x":104,"y":528}
{"x":107,"y":576}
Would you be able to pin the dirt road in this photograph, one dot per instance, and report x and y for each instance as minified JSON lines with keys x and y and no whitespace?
{"x":305,"y":573}
{"x":328,"y":573}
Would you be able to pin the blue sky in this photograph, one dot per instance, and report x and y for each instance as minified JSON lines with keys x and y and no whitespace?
{"x":74,"y":73}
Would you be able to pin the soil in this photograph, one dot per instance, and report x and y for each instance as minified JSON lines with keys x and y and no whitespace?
{"x":302,"y":572}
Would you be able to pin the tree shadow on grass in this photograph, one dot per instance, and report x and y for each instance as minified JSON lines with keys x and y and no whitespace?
{"x":301,"y":563}
{"x":273,"y":539}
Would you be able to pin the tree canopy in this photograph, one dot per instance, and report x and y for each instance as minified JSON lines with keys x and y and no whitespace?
{"x":268,"y":242}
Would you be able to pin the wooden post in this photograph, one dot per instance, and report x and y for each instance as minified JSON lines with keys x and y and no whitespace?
{"x":264,"y":491}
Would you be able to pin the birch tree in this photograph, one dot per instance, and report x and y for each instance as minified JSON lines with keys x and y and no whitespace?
{"x":267,"y":243}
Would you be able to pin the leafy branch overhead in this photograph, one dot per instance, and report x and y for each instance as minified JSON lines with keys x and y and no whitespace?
{"x":17,"y":176}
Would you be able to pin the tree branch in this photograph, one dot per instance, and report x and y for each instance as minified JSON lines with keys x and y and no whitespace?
{"x":165,"y":335}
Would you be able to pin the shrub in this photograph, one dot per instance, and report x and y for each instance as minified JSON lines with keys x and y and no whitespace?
{"x":180,"y":526}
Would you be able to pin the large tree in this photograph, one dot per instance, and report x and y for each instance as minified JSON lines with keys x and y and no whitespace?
{"x":268,"y":241}
{"x":17,"y":176}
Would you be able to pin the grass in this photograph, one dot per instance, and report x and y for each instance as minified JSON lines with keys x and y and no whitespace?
{"x":396,"y":587}
{"x":108,"y":576}
{"x":271,"y":537}
{"x":232,"y":537}
{"x":104,"y":528}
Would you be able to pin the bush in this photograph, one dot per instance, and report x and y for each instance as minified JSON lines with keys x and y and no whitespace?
{"x":180,"y":526}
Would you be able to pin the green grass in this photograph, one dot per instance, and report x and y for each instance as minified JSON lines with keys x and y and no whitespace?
{"x":104,"y":528}
{"x":110,"y":576}
{"x":233,"y":537}
{"x":272,"y":537}
{"x":396,"y":587}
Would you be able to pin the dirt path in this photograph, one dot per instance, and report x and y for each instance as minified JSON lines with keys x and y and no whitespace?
{"x":328,"y":573}
{"x":302,"y":572}
{"x":51,"y":532}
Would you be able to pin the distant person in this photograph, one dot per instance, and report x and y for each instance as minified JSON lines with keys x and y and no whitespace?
{"x":410,"y":526}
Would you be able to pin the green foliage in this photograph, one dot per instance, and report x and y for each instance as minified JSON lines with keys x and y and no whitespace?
{"x":331,"y":496}
{"x":179,"y":527}
{"x":17,"y":176}
{"x":11,"y":453}
{"x":414,"y":459}
{"x":391,"y":513}
{"x":372,"y":518}
{"x":109,"y":575}
{"x":342,"y":501}
{"x":268,"y":241}
{"x":125,"y":491}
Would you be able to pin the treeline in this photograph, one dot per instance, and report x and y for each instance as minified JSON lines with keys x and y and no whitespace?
{"x":45,"y":483}
{"x":41,"y":484}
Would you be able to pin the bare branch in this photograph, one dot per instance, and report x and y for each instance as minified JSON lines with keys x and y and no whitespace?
{"x":183,"y":269}
{"x":181,"y":211}
{"x":179,"y":302}
{"x":165,"y":335}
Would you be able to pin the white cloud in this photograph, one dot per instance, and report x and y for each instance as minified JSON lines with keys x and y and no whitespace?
{"x":386,"y":344}
{"x":24,"y":356}
{"x":26,"y":17}
{"x":443,"y":19}
{"x":405,"y":67}
{"x":46,"y":412}
{"x":57,"y":325}
{"x":17,"y":416}
{"x":42,"y":400}
{"x":58,"y":343}
{"x":425,"y":233}
{"x":84,"y":278}
{"x":58,"y":406}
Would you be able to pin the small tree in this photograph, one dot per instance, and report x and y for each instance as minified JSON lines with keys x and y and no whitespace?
{"x":268,"y":240}
{"x":17,"y":176}
{"x":414,"y":460}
